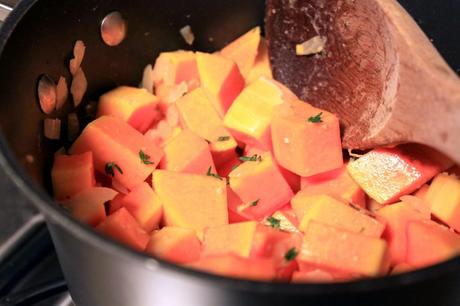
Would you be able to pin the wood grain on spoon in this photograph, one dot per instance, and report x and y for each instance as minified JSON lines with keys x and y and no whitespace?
{"x":379,"y":72}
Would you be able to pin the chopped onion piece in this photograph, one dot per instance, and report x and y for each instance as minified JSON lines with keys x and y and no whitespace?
{"x":73,"y":126}
{"x":62,"y":92}
{"x":46,"y":94}
{"x":187,"y":34}
{"x":312,"y":46}
{"x":78,"y":54}
{"x":147,"y":78}
{"x":30,"y":158}
{"x":172,"y":93}
{"x":61,"y":151}
{"x":78,"y":87}
{"x":52,"y":128}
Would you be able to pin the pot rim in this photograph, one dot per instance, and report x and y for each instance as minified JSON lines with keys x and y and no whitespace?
{"x":40,"y":199}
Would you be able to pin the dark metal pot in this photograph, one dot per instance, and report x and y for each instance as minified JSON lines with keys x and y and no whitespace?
{"x":38,"y":37}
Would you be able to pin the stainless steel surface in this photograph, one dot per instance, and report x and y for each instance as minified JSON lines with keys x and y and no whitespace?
{"x":113,"y":29}
{"x":5,"y":9}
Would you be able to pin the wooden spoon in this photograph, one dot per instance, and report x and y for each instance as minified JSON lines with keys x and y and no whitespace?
{"x":378,"y":72}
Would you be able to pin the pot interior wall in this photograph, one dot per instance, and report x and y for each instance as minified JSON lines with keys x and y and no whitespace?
{"x":43,"y":42}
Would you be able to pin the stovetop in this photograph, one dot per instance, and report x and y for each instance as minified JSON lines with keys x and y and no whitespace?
{"x":29,"y":270}
{"x":30,"y":274}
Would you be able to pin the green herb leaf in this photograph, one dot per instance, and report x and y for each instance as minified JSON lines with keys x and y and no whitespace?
{"x":223,"y":138}
{"x":234,"y":167}
{"x":254,"y":203}
{"x":253,"y":158}
{"x":209,"y":173}
{"x":145,"y":159}
{"x":275,"y":223}
{"x":110,"y":169}
{"x":291,"y":254}
{"x":316,"y":119}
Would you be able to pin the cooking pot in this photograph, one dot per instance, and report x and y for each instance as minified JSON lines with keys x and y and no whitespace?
{"x":38,"y":37}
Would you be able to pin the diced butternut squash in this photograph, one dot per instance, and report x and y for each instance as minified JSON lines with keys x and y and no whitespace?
{"x":291,"y":178}
{"x":220,"y":78}
{"x":117,"y":146}
{"x":305,"y":139}
{"x":343,"y":250}
{"x":198,"y":115}
{"x":422,"y":191}
{"x":122,"y":227}
{"x":116,"y":203}
{"x":175,"y":244}
{"x":144,"y":205}
{"x":231,"y":265}
{"x":189,"y":153}
{"x":72,"y":174}
{"x":386,"y":174}
{"x":252,"y":111}
{"x":313,"y":273}
{"x":243,"y":51}
{"x":429,"y":243}
{"x":313,"y":276}
{"x":337,"y":183}
{"x":329,"y":211}
{"x":234,"y":238}
{"x":402,"y":268}
{"x":282,"y":247}
{"x":88,"y":205}
{"x":233,"y":202}
{"x":190,"y":200}
{"x":260,"y":185}
{"x":261,"y":65}
{"x":444,"y":199}
{"x":288,"y":220}
{"x":174,"y":74}
{"x":397,"y":216}
{"x":136,"y":106}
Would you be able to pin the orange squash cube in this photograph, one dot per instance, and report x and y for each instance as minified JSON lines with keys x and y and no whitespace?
{"x":337,"y":183}
{"x":329,"y":211}
{"x":282,"y":247}
{"x":243,"y":51}
{"x":261,"y":65}
{"x":136,"y":106}
{"x":187,"y":152}
{"x":175,"y":244}
{"x":221,"y":79}
{"x":232,"y":265}
{"x":260,"y":185}
{"x":234,"y":238}
{"x":114,"y":142}
{"x":72,"y":174}
{"x":144,"y":205}
{"x":304,"y":147}
{"x":288,"y":220}
{"x":397,"y":216}
{"x":252,"y":111}
{"x":444,"y":198}
{"x":198,"y":115}
{"x":343,"y":250}
{"x":429,"y":243}
{"x":122,"y":227}
{"x":175,"y":73}
{"x":386,"y":174}
{"x":190,"y":200}
{"x":88,"y":205}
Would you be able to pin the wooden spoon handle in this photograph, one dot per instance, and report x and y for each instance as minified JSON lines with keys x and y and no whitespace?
{"x":422,"y":100}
